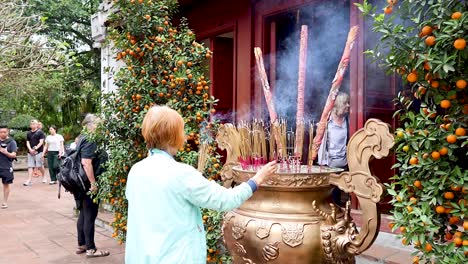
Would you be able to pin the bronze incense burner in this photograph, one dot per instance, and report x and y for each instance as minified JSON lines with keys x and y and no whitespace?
{"x":292,"y":219}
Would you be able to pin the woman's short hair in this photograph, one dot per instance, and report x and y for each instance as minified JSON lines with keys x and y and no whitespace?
{"x":90,"y":120}
{"x":163,"y":128}
{"x":53,"y":126}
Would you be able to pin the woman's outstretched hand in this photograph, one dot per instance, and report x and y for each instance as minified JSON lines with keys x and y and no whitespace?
{"x":265,"y":172}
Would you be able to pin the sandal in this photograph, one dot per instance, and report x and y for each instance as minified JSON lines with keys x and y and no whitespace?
{"x":80,"y":250}
{"x":94,"y":253}
{"x":4,"y":205}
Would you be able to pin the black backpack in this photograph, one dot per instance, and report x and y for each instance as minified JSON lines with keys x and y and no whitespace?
{"x":72,"y":175}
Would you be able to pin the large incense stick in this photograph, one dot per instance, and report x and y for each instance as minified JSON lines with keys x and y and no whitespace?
{"x":299,"y":142}
{"x":266,"y":90}
{"x":265,"y":85}
{"x":334,"y":90}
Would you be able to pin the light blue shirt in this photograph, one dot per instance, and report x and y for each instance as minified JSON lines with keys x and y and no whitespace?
{"x":332,"y":151}
{"x":164,"y":219}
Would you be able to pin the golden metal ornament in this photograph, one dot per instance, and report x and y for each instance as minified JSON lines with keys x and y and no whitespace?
{"x":292,"y":219}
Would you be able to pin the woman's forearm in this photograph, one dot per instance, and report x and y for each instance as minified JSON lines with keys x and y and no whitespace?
{"x":88,"y":168}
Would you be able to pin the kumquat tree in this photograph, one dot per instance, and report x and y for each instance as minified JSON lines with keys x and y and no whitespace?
{"x":424,"y":42}
{"x":164,"y":65}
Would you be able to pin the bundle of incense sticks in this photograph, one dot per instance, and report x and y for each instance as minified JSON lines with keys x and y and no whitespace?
{"x":352,"y":35}
{"x":277,"y":136}
{"x":272,"y":145}
{"x":283,"y":127}
{"x":235,"y":137}
{"x":290,"y":138}
{"x":310,"y":160}
{"x":299,"y":141}
{"x":255,"y":139}
{"x":263,"y":146}
{"x":245,"y":146}
{"x":202,"y":156}
{"x":253,"y":144}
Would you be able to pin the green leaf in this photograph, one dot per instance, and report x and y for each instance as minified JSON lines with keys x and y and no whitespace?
{"x":448,"y":68}
{"x":391,"y":192}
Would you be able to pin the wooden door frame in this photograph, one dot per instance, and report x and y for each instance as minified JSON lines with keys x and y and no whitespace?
{"x":210,"y":34}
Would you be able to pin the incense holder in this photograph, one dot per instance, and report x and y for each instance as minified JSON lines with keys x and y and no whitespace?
{"x":292,"y":219}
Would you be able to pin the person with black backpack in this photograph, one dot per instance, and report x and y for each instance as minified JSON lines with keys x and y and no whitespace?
{"x":92,"y":161}
{"x":8,"y":150}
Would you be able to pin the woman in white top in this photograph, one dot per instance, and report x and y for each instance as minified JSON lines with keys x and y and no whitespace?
{"x":54,"y":150}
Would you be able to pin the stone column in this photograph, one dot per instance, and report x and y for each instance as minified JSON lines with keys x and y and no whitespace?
{"x":109,"y":66}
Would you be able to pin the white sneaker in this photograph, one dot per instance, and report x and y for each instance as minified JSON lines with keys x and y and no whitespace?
{"x":44,"y":180}
{"x":52,"y":182}
{"x":28,"y":183}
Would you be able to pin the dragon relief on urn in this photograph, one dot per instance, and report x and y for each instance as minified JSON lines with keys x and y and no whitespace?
{"x":339,"y":236}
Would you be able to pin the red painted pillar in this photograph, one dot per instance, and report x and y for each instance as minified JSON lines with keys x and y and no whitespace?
{"x":357,"y":68}
{"x":244,"y":56}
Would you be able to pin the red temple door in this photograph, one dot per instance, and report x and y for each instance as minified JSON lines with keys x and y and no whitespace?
{"x":223,"y":76}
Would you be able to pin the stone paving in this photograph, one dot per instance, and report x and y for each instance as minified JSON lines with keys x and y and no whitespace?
{"x":38,"y":228}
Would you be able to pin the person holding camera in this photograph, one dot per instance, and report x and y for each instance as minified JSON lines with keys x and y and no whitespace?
{"x":8,"y":150}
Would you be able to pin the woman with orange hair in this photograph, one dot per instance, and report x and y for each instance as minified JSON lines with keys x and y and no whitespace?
{"x":164,"y":197}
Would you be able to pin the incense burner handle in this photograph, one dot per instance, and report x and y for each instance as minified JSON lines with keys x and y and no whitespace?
{"x":374,"y":140}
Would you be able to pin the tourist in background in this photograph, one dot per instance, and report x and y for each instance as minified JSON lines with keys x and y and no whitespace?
{"x":332,"y":151}
{"x":73,"y":144}
{"x":92,"y":160}
{"x":8,"y":150}
{"x":39,"y":125}
{"x":54,"y":150}
{"x":164,"y":197}
{"x":35,"y":145}
{"x":37,"y":171}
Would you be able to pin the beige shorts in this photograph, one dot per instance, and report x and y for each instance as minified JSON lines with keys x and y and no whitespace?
{"x":35,"y":161}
